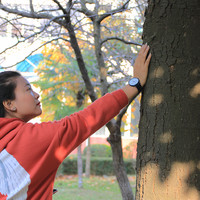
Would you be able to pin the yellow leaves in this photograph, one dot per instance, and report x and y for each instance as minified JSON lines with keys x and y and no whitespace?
{"x":57,"y":56}
{"x":133,"y":108}
{"x":123,"y":130}
{"x":59,"y":80}
{"x":125,"y":117}
{"x":132,"y":115}
{"x":53,"y":53}
{"x":46,"y":115}
{"x":101,"y":12}
{"x":57,"y":70}
{"x":93,"y":79}
{"x":134,"y":126}
{"x":79,"y":33}
{"x":69,"y":101}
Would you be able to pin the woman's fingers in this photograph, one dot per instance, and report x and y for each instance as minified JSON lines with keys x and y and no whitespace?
{"x":146,"y":50}
{"x":148,"y":60}
{"x":143,"y":52}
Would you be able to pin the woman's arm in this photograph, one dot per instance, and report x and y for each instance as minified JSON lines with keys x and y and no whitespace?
{"x":140,"y":71}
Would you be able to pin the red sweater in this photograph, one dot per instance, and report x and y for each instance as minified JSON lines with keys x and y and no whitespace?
{"x":30,"y":154}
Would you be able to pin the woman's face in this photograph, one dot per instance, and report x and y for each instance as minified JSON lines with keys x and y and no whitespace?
{"x":26,"y":100}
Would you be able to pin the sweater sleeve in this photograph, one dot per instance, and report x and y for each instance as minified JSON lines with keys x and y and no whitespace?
{"x":79,"y":126}
{"x":53,"y":141}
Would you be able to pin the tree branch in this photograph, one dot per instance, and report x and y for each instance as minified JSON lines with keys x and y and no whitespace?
{"x":60,"y":6}
{"x":120,"y":39}
{"x":85,"y":11}
{"x":33,"y":35}
{"x":10,"y":22}
{"x":121,"y":114}
{"x":112,"y":12}
{"x":31,"y":6}
{"x":55,"y":39}
{"x":31,"y":15}
{"x":69,"y":6}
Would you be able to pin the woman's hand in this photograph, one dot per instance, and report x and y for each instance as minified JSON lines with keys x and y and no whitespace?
{"x":141,"y":64}
{"x":140,"y":71}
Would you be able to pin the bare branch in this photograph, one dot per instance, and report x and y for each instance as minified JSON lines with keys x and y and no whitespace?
{"x":33,"y":35}
{"x":10,"y":22}
{"x":55,"y":39}
{"x":60,"y":6}
{"x":112,"y":12}
{"x":120,"y":39}
{"x":85,"y":11}
{"x":96,"y":6}
{"x":31,"y":6}
{"x":30,"y":15}
{"x":69,"y":6}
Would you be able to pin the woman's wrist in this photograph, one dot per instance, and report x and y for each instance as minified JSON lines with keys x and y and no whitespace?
{"x":131,"y":92}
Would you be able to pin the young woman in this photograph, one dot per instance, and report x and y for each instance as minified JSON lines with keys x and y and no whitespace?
{"x":30,"y":154}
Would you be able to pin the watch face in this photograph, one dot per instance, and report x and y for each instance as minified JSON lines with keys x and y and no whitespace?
{"x":133,"y":81}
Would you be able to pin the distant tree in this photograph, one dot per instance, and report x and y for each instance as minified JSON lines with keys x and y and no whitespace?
{"x":63,"y":91}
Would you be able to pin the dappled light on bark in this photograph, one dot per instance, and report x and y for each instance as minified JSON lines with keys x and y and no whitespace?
{"x":166,"y":138}
{"x":198,"y":165}
{"x":195,"y":91}
{"x":196,"y":72}
{"x":168,"y":166}
{"x":157,"y":72}
{"x":155,"y":100}
{"x":175,"y":185}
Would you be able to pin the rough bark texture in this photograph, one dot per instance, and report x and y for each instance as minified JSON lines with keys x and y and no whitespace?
{"x":168,"y":160}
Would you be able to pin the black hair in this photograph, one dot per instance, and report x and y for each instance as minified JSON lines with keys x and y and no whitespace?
{"x":7,"y":88}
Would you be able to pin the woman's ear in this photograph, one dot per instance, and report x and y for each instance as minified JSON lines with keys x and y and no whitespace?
{"x":9,"y":106}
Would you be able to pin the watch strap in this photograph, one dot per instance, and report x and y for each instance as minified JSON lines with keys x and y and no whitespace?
{"x":137,"y":85}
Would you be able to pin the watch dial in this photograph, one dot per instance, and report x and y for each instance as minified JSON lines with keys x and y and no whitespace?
{"x":134,"y":81}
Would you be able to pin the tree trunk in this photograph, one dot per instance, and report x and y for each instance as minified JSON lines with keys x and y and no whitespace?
{"x":80,"y":167}
{"x":118,"y":163}
{"x":168,"y":160}
{"x":80,"y":61}
{"x":88,"y":156}
{"x":118,"y":159}
{"x":115,"y":134}
{"x":99,"y":56}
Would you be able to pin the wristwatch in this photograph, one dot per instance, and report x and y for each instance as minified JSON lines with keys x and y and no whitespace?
{"x":135,"y":82}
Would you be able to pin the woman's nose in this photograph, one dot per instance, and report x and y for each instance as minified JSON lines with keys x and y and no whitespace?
{"x":36,"y":95}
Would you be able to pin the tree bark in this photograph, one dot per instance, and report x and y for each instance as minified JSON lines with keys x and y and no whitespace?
{"x":79,"y":58}
{"x":118,"y":163}
{"x":168,"y":159}
{"x":99,"y":56}
{"x":80,"y":167}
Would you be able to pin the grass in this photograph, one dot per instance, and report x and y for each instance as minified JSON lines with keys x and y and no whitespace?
{"x":94,"y":188}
